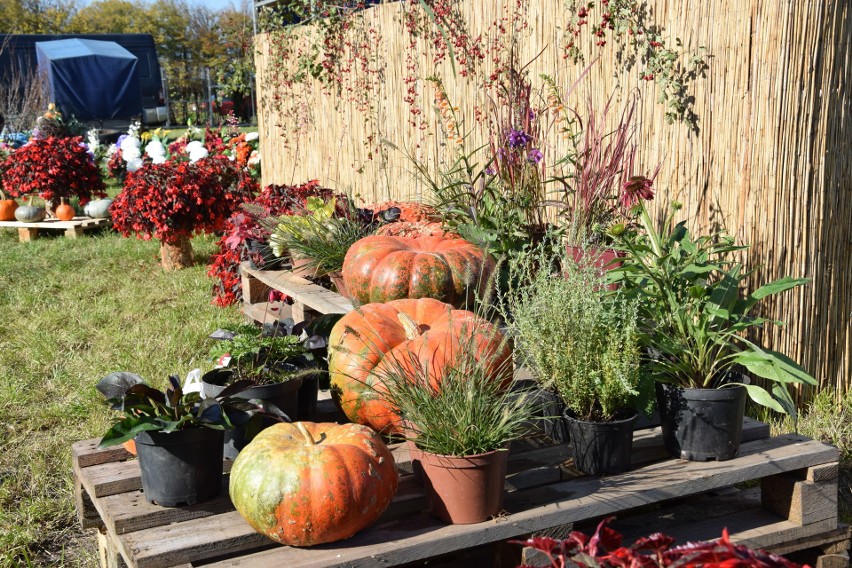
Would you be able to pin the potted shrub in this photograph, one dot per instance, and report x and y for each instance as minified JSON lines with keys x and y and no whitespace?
{"x":459,"y":422}
{"x":274,"y":364}
{"x":171,"y":201}
{"x":693,"y":313}
{"x":54,"y":168}
{"x":581,"y":342}
{"x":178,"y":435}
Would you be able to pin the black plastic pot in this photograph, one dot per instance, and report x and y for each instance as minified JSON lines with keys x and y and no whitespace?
{"x":600,"y":448}
{"x":285,"y":396}
{"x":269,"y":260}
{"x":701,"y":424}
{"x":182,"y":467}
{"x":550,"y":421}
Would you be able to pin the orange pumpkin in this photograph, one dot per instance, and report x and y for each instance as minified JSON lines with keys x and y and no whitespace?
{"x":304,"y":483}
{"x":399,"y":336}
{"x":7,"y":208}
{"x":65,"y":212}
{"x":381,"y":269}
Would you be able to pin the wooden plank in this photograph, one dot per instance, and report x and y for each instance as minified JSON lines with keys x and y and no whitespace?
{"x":419,"y":537}
{"x":835,"y":560}
{"x":832,"y":541}
{"x":262,"y":312}
{"x":25,"y":235}
{"x":254,"y":291}
{"x":80,"y":221}
{"x":86,"y":453}
{"x":87,"y":515}
{"x":108,"y":553}
{"x":302,"y":290}
{"x":823,"y":472}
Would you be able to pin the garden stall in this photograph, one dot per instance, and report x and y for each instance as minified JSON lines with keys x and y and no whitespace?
{"x":760,"y":149}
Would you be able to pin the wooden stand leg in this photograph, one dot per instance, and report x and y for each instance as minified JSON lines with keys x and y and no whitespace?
{"x":803,"y":497}
{"x":25,"y":235}
{"x":254,"y":290}
{"x":74,"y":232}
{"x":109,"y":555}
{"x":87,"y":515}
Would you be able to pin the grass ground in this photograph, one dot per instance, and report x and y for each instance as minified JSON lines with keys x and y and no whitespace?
{"x":72,"y":311}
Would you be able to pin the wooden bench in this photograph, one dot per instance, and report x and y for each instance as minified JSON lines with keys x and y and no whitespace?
{"x":308,"y":298}
{"x":794,"y":507}
{"x":73,"y":228}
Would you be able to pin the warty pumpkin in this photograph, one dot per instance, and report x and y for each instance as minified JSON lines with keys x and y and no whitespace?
{"x":308,"y":483}
{"x":380,"y":269}
{"x":398,"y":336}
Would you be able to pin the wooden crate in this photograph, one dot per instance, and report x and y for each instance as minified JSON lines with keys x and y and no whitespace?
{"x":797,"y":502}
{"x":73,"y":228}
{"x":309,"y":299}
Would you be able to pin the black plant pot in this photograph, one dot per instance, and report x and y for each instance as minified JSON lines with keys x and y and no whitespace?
{"x":285,"y":396}
{"x":308,"y":394}
{"x":551,"y":409}
{"x":269,"y":260}
{"x":182,"y":467}
{"x":601,"y":447}
{"x":701,"y":424}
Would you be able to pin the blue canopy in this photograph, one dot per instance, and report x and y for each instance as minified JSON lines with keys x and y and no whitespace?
{"x":91,"y":79}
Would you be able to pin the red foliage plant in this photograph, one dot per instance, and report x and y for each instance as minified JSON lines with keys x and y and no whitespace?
{"x":274,"y":200}
{"x":53,"y":168}
{"x":605,"y":549}
{"x":174,"y":200}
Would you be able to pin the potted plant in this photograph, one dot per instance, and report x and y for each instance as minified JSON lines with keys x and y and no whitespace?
{"x":274,"y":364}
{"x":693,"y":313}
{"x":54,"y":168}
{"x":178,"y":435}
{"x":171,"y":201}
{"x":459,"y":422}
{"x":581,"y":342}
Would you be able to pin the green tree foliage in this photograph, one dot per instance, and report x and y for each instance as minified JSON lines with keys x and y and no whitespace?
{"x":111,"y":17}
{"x":36,"y":16}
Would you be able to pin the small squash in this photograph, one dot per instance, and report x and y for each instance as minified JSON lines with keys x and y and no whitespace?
{"x":377,"y":338}
{"x":7,"y":208}
{"x":65,"y":212}
{"x":98,"y":208}
{"x":380,"y":269}
{"x":30,"y":214}
{"x":303,"y":483}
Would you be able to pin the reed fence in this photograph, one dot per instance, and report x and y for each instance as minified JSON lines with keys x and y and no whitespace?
{"x":771,"y":161}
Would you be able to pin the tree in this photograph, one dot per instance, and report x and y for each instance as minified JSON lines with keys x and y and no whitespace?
{"x":111,"y":17}
{"x":36,"y":16}
{"x":235,"y":73}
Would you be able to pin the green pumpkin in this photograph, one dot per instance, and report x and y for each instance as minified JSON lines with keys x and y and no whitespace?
{"x":29,"y":214}
{"x":98,"y":209}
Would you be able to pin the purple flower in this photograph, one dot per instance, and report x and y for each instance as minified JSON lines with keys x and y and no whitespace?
{"x":535,"y":156}
{"x":120,"y":140}
{"x":489,"y":171}
{"x":518,"y":139}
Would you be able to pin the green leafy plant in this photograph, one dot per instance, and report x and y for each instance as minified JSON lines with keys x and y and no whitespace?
{"x":693,"y":313}
{"x":467,"y":413}
{"x":144,"y":408}
{"x":253,"y":355}
{"x":577,"y":337}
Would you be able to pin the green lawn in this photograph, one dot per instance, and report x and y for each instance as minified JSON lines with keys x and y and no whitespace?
{"x":72,"y":311}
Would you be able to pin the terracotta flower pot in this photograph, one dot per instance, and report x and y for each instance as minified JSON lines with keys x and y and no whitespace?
{"x":337,"y":280}
{"x":602,"y":259}
{"x":301,"y":268}
{"x":463,"y":490}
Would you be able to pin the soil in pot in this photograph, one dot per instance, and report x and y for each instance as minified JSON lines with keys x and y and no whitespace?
{"x":284,"y":395}
{"x":601,"y":448}
{"x":463,"y":490}
{"x":182,"y":467}
{"x":701,"y":424}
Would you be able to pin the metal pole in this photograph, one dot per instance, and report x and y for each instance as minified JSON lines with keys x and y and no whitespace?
{"x":209,"y":98}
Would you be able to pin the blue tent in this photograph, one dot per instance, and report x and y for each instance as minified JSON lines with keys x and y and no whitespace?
{"x":91,"y":79}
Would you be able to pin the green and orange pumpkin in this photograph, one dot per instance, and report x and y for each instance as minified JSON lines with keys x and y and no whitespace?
{"x":375,"y":339}
{"x":381,"y":269}
{"x":309,"y":483}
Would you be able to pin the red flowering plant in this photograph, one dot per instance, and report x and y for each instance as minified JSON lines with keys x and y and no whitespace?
{"x":54,"y":168}
{"x":606,"y":549}
{"x":176,"y":199}
{"x":247,"y":239}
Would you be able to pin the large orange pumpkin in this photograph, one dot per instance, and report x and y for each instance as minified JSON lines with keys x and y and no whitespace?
{"x":397,"y":336}
{"x":381,"y":269}
{"x":304,"y":483}
{"x":65,"y":212}
{"x":7,"y":208}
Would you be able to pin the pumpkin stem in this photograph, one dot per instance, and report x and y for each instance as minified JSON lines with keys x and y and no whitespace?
{"x":308,"y":438}
{"x":30,"y":202}
{"x":412,"y":330}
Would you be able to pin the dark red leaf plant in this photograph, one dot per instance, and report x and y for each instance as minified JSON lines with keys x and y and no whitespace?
{"x":176,"y":199}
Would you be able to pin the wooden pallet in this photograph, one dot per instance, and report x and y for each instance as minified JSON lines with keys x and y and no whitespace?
{"x":308,"y":298}
{"x":73,"y":228}
{"x":798,"y":501}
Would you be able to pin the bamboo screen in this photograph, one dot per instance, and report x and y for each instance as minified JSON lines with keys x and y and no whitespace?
{"x":771,"y":162}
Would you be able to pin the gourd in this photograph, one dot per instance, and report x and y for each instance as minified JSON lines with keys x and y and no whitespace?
{"x":376,"y":338}
{"x":7,"y":208}
{"x":98,"y":209}
{"x":305,"y":483}
{"x":65,"y":212}
{"x":29,"y":214}
{"x":381,"y":268}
